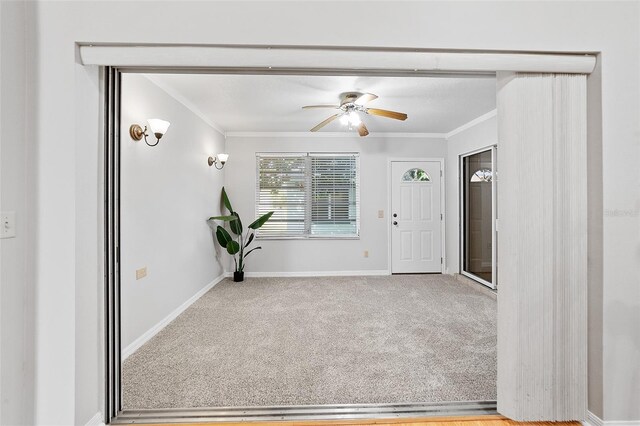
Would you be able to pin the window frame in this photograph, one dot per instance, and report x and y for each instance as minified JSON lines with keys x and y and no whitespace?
{"x":308,"y":213}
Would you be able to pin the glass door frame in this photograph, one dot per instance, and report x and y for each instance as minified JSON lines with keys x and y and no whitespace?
{"x":494,"y":219}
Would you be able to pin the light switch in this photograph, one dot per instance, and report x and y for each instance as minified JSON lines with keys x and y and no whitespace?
{"x":8,"y":225}
{"x":380,"y":214}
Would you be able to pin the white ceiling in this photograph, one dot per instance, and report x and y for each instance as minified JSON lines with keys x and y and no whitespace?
{"x":273,"y":103}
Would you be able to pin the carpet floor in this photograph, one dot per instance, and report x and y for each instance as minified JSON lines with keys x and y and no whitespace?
{"x":325,"y":340}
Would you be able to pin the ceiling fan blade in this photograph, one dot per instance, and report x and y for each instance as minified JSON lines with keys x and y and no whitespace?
{"x":362,"y":129}
{"x":324,"y":123}
{"x":320,"y":106}
{"x":366,"y":97}
{"x":386,"y":113}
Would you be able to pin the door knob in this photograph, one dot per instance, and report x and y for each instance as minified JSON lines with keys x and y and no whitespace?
{"x":395,"y":215}
{"x":395,"y":223}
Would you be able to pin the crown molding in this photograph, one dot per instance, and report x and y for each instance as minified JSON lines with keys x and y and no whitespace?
{"x":186,"y":103}
{"x":474,"y":122}
{"x":335,"y":135}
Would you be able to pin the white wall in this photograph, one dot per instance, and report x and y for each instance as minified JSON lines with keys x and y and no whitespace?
{"x":481,"y":135}
{"x":167,"y":193}
{"x":611,"y":28}
{"x":325,"y":255}
{"x":16,"y":282}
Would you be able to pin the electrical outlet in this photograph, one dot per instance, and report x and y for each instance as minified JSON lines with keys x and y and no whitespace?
{"x":141,"y":273}
{"x":380,"y":214}
{"x":8,"y":225}
{"x":366,"y":253}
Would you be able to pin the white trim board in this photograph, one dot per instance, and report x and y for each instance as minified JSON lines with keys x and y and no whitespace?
{"x":136,"y":344}
{"x":365,"y":273}
{"x":270,"y":58}
{"x":96,"y":420}
{"x":593,"y":420}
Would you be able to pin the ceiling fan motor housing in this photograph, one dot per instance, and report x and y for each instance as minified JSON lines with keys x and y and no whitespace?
{"x":349,"y":97}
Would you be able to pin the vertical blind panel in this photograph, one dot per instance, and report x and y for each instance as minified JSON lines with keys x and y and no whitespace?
{"x":542,"y":250}
{"x":311,"y":194}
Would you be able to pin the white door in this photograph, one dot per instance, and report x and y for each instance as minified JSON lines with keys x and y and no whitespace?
{"x":416,"y":230}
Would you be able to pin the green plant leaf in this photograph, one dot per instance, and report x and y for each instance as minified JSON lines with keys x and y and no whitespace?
{"x":225,"y":200}
{"x":233,"y":247}
{"x":236,"y":225}
{"x":249,"y":240}
{"x":260,"y":221}
{"x":223,"y":236}
{"x":225,"y":218}
{"x":247,"y":253}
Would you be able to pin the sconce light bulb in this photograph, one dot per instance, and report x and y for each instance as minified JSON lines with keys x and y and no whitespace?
{"x":158,"y":127}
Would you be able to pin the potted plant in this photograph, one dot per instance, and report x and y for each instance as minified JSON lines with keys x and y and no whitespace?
{"x":237,"y":245}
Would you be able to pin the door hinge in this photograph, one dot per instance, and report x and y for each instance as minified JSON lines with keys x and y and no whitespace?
{"x":440,"y":216}
{"x":441,"y":261}
{"x":440,"y":173}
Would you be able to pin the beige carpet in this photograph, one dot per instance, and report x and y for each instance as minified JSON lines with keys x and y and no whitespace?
{"x":330,"y":340}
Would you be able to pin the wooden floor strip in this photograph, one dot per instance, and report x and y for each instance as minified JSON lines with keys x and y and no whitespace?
{"x":496,"y":420}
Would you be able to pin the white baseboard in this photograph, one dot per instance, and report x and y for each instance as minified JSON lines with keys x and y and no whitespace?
{"x":136,"y":344}
{"x":96,"y":420}
{"x":372,"y":272}
{"x":593,"y":420}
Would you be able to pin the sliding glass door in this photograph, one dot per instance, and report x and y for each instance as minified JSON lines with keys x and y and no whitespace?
{"x":478,"y":216}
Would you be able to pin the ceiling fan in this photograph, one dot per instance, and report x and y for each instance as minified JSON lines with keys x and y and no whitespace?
{"x":352,"y":103}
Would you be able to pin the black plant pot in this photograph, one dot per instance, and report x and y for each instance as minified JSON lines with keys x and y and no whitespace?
{"x":238,"y":276}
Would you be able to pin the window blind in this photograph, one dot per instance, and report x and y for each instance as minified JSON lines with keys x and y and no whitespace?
{"x":312,"y":195}
{"x":335,"y":195}
{"x":282,"y":188}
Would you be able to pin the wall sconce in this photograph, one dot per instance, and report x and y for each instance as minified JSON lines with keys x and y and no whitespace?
{"x":220,"y":158}
{"x":157,"y":126}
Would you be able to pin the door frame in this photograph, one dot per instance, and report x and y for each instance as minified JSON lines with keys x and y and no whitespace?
{"x":154,"y":58}
{"x":443,"y":215}
{"x":494,"y":218}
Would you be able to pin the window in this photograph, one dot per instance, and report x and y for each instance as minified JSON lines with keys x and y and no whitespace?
{"x":312,"y":194}
{"x":482,"y":175}
{"x":416,"y":175}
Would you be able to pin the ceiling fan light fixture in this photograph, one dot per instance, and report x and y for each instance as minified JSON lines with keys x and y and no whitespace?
{"x":354,"y":118}
{"x":351,"y":119}
{"x":350,"y":107}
